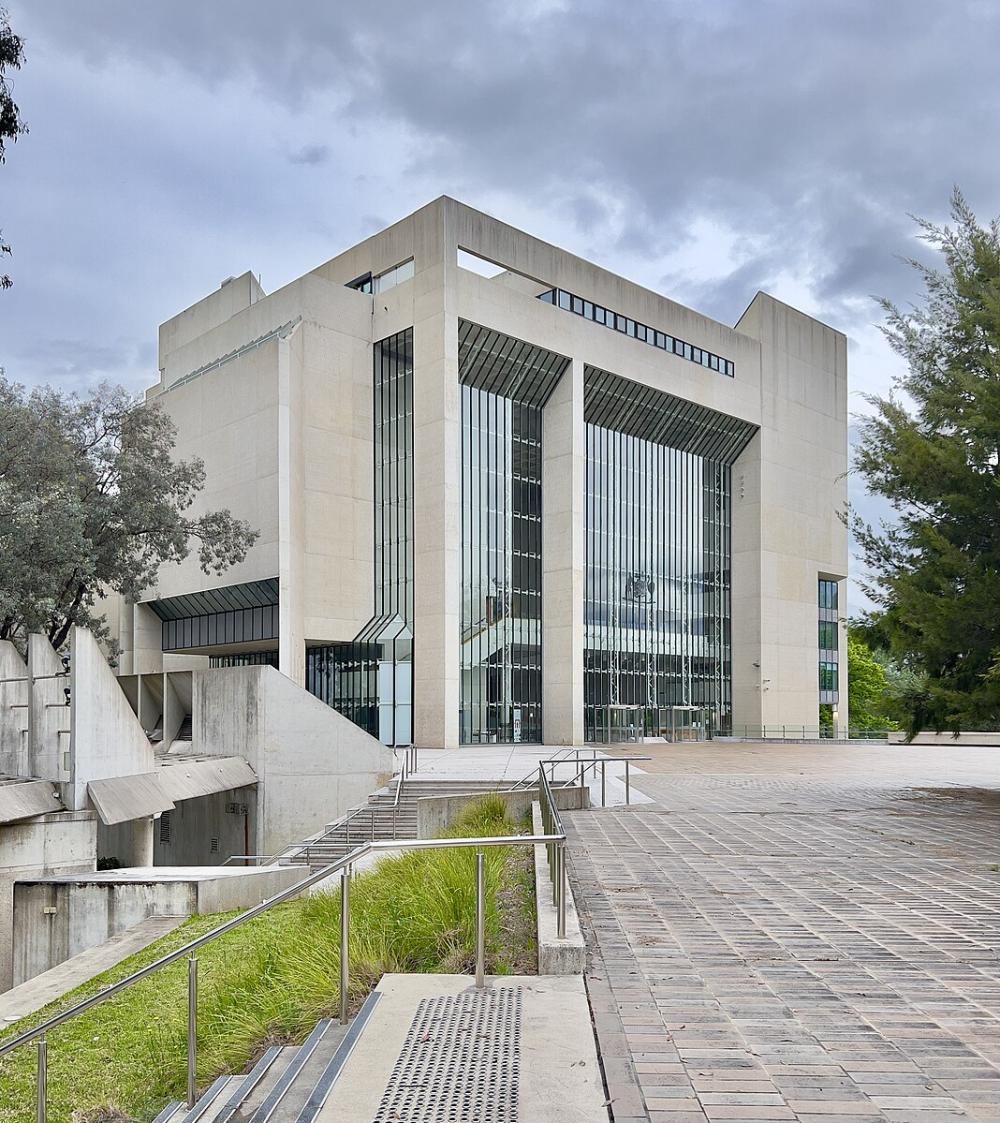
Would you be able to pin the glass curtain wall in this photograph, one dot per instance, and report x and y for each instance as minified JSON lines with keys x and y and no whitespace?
{"x":501,"y":569}
{"x":657,"y":608}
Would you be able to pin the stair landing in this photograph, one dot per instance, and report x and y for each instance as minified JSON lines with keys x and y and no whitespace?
{"x":436,"y":1049}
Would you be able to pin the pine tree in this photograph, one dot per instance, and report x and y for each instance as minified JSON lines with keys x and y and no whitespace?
{"x":932,"y":448}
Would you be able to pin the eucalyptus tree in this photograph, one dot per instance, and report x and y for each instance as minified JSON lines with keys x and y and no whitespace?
{"x":93,"y":502}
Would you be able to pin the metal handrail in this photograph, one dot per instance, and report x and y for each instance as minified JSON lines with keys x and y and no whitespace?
{"x":290,"y":853}
{"x":344,"y":866}
{"x":553,"y":826}
{"x":582,"y":767}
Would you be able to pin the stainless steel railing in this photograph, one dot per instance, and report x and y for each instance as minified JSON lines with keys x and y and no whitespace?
{"x":406,"y":769}
{"x":342,"y":865}
{"x":581,"y":766}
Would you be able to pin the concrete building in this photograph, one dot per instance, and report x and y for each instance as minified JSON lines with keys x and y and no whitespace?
{"x":506,"y":495}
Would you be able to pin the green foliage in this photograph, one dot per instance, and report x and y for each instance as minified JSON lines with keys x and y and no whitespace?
{"x":11,"y":125}
{"x":92,"y":502}
{"x":272,"y":979}
{"x":867,"y":686}
{"x":932,"y":448}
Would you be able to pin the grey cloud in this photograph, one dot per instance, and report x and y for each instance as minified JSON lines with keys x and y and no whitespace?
{"x":812,"y":128}
{"x":311,"y":154}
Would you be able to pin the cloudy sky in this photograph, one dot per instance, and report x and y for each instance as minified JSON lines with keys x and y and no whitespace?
{"x":704,"y":149}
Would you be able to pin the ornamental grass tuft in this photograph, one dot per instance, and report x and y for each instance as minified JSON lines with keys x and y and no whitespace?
{"x":269,"y":981}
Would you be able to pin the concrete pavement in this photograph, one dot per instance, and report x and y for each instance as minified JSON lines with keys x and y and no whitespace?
{"x":797,"y":933}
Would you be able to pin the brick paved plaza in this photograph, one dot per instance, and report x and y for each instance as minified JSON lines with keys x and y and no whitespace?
{"x":797,"y":933}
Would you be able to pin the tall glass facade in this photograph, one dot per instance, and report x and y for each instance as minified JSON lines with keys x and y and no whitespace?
{"x":370,"y":679}
{"x":505,"y":385}
{"x":657,"y":656}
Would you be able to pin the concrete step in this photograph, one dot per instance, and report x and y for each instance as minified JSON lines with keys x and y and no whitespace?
{"x":415,"y":1061}
{"x":286,"y":1085}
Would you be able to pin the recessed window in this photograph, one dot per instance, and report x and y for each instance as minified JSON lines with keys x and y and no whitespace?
{"x":642,"y":332}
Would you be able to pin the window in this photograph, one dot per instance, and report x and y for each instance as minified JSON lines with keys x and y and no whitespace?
{"x":827,"y":635}
{"x":642,"y":332}
{"x":829,"y":668}
{"x":385,"y":280}
{"x":828,"y":676}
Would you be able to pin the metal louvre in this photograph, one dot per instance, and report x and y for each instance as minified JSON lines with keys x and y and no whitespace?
{"x":384,"y":629}
{"x":628,"y":407}
{"x":230,"y":598}
{"x":460,"y":1061}
{"x":507,"y":367}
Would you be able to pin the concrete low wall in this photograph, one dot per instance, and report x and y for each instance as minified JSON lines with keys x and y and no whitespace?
{"x":436,"y":813}
{"x":566,"y":955}
{"x":59,"y":917}
{"x":60,"y":843}
{"x":988,"y":740}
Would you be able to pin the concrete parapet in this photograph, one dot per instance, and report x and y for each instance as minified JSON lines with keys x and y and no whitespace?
{"x":436,"y":813}
{"x":951,"y":739}
{"x":59,"y":917}
{"x":566,"y":956}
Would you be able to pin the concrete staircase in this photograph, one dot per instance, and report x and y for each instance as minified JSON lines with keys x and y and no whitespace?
{"x":428,"y":1047}
{"x":380,"y":819}
{"x":287,"y":1084}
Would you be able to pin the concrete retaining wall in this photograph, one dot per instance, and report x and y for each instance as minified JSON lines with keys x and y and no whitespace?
{"x":949,"y":739}
{"x":436,"y":813}
{"x":556,"y":956}
{"x":59,"y":917}
{"x":312,"y":763}
{"x":64,"y":842}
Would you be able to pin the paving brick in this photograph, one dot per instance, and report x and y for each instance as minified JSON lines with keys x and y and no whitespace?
{"x":812,"y":925}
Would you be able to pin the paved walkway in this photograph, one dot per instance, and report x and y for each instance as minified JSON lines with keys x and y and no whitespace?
{"x":797,"y":933}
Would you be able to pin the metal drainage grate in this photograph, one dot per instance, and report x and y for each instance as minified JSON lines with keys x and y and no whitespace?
{"x":459,"y":1063}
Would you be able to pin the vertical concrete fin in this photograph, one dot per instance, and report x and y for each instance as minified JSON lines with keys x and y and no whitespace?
{"x":107,"y":738}
{"x":14,"y":756}
{"x":564,"y":439}
{"x":48,"y":715}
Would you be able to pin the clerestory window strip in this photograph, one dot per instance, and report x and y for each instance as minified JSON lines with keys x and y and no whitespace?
{"x":560,"y":298}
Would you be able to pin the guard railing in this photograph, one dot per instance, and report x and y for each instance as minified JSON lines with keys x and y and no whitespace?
{"x":581,"y":766}
{"x":343,"y":866}
{"x":354,"y":819}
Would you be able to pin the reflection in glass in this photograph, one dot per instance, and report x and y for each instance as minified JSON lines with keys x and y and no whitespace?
{"x":657,"y":598}
{"x":501,"y":669}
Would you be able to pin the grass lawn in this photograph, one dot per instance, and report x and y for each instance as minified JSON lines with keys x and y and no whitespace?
{"x":270,"y":980}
